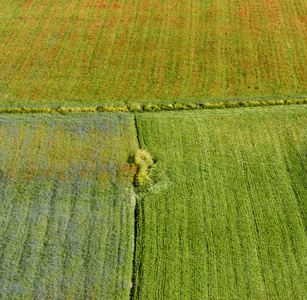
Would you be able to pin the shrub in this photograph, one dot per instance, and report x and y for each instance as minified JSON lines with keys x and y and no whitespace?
{"x":88,"y":109}
{"x":254,"y":103}
{"x":143,"y":160}
{"x":179,"y":106}
{"x":151,"y":107}
{"x":105,"y":109}
{"x":220,"y":105}
{"x":112,"y":109}
{"x":15,"y":110}
{"x":135,"y":108}
{"x":229,"y":104}
{"x":122,"y":108}
{"x":64,"y":110}
{"x":243,"y":103}
{"x":207,"y":105}
{"x":191,"y":106}
{"x":100,"y":108}
{"x":167,"y":106}
{"x":44,"y":110}
{"x":279,"y":102}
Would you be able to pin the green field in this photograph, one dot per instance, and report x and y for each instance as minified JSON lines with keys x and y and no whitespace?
{"x":226,"y":217}
{"x":66,"y":206}
{"x":105,"y":51}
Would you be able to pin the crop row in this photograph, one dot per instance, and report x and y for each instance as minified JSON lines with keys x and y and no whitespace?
{"x":152,"y":107}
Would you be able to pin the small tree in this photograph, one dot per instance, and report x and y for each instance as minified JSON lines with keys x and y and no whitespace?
{"x":143,"y":160}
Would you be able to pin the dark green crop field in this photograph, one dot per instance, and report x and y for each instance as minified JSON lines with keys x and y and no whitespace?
{"x":226,"y":217}
{"x":101,"y":51}
{"x":66,"y":207}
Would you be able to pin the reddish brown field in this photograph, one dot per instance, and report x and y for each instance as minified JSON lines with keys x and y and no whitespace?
{"x":151,"y":51}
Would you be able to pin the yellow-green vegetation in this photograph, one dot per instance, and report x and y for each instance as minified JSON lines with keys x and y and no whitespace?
{"x":66,"y":206}
{"x":143,"y":160}
{"x":150,"y":107}
{"x":226,"y":215}
{"x":101,"y":51}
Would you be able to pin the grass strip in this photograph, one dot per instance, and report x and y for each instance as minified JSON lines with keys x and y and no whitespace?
{"x":152,"y":107}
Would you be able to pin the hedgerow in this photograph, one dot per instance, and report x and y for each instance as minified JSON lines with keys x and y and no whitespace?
{"x":152,"y":107}
{"x":135,"y":108}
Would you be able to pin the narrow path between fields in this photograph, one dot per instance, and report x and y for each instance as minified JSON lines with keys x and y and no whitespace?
{"x":132,"y":289}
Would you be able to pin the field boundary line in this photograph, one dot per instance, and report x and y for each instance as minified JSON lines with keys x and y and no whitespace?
{"x":135,"y":217}
{"x":133,"y":108}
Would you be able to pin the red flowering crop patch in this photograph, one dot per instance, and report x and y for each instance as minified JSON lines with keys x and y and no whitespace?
{"x":150,"y":51}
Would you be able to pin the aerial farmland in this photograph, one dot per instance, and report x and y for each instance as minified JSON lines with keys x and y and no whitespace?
{"x":149,"y":51}
{"x":153,"y":149}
